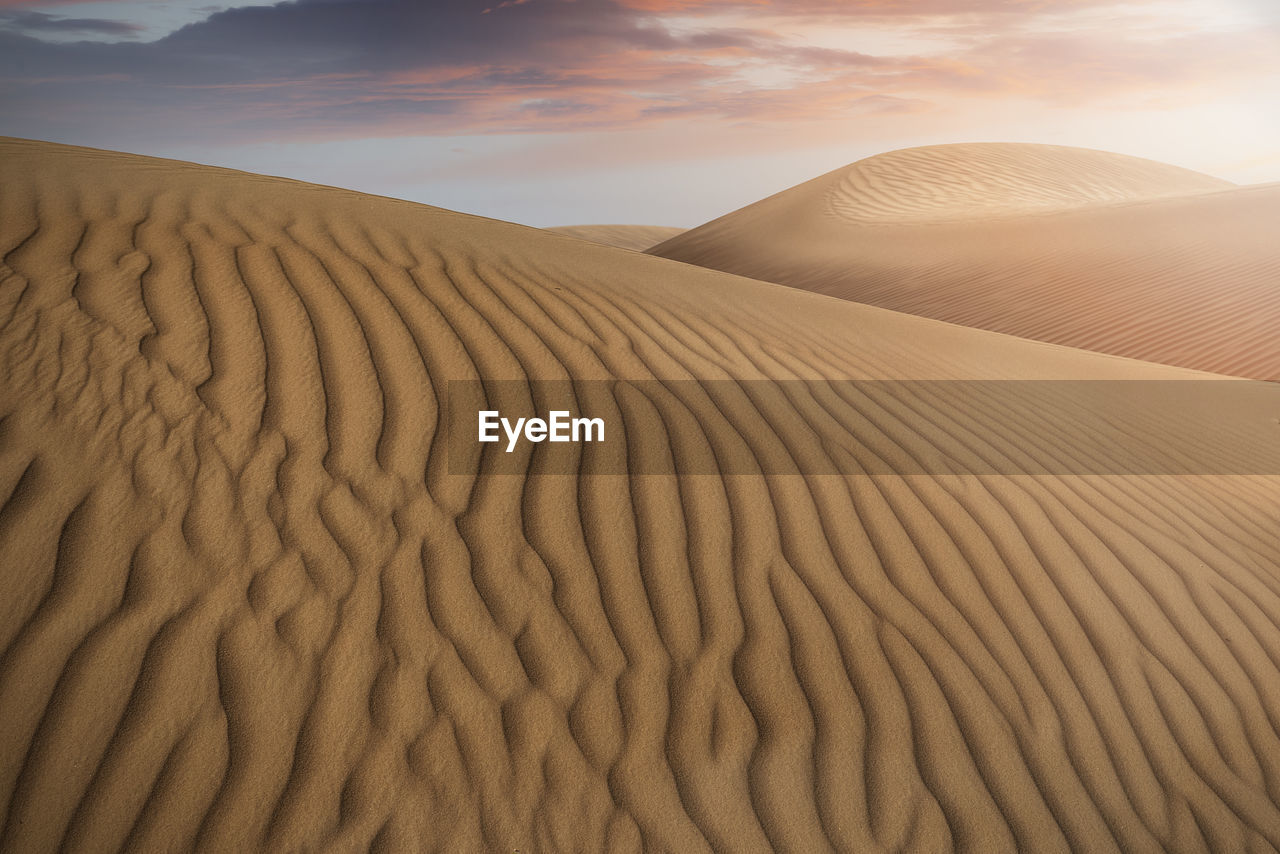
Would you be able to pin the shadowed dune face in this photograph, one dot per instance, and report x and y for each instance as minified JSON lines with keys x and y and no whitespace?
{"x":1076,"y":247}
{"x":637,"y":237}
{"x":247,"y":606}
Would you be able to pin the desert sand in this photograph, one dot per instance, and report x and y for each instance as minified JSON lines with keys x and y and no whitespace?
{"x":247,"y":604}
{"x":1085,"y":248}
{"x":638,"y":237}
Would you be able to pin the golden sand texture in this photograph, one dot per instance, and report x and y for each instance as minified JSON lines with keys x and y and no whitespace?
{"x":246,"y":606}
{"x":638,"y":237}
{"x":1077,"y":247}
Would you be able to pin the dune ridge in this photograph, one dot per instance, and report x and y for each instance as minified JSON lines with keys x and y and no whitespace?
{"x":637,"y":237}
{"x":1087,"y":249}
{"x":962,"y":180}
{"x":246,"y":606}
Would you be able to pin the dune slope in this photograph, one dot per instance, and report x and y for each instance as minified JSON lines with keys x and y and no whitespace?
{"x":638,"y":237}
{"x":1077,"y":247}
{"x":247,"y":605}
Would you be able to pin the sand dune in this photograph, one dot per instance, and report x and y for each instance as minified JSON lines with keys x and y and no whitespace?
{"x":638,"y":237}
{"x":965,"y":180}
{"x":248,"y":604}
{"x":1076,"y":247}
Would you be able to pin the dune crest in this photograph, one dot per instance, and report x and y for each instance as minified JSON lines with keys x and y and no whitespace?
{"x":246,"y":605}
{"x":637,"y":237}
{"x":963,"y":180}
{"x":1083,"y":248}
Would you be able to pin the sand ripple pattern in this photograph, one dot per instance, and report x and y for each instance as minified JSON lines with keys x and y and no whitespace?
{"x":246,"y":607}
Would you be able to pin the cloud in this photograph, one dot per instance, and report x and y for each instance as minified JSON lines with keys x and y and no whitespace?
{"x":340,"y":66}
{"x":865,"y":8}
{"x":332,"y":69}
{"x":41,"y":22}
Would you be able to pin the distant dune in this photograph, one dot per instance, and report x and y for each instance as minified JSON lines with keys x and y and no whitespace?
{"x":247,"y":603}
{"x":1077,"y":247}
{"x":638,"y":237}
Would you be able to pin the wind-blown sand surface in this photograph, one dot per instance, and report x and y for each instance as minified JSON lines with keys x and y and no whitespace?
{"x":246,"y":605}
{"x":638,"y":237}
{"x":1077,"y":247}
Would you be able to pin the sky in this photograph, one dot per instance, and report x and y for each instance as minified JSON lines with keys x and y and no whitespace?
{"x":663,"y":112}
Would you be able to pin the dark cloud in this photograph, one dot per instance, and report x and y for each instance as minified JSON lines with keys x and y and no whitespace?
{"x":41,"y":22}
{"x":388,"y":60}
{"x":333,"y":36}
{"x":308,"y":38}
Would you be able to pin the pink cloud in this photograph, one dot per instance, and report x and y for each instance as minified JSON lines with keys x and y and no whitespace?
{"x":554,"y":65}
